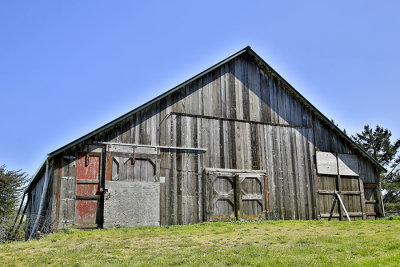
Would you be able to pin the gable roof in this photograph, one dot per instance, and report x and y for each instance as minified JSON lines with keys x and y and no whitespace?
{"x":260,"y":61}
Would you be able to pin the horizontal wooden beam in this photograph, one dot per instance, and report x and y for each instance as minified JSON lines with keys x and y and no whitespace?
{"x":238,"y":120}
{"x":87,"y":181}
{"x":156,"y":146}
{"x":337,"y":215}
{"x":370,"y":213}
{"x":369,"y":186}
{"x":350,"y":192}
{"x":219,"y":170}
{"x":137,"y":155}
{"x":371,"y":202}
{"x":87,"y":197}
{"x":252,"y":197}
{"x":332,"y":192}
{"x":86,"y":226}
{"x":326,"y":192}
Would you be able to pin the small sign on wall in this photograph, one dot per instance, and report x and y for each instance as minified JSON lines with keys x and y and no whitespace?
{"x":162,"y":180}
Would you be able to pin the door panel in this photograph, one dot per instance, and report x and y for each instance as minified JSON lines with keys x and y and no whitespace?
{"x":222,"y":197}
{"x":371,"y":200}
{"x":232,"y":196}
{"x":338,"y":176}
{"x":251,"y":197}
{"x":132,"y":187}
{"x":67,"y":194}
{"x":131,"y":204}
{"x":87,"y":187}
{"x":88,"y":166}
{"x":348,"y":187}
{"x":86,"y":211}
{"x":326,"y":186}
{"x":351,"y":196}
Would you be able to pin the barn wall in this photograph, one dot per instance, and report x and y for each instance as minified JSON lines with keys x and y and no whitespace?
{"x":34,"y":203}
{"x":55,"y":186}
{"x":246,"y":120}
{"x":326,"y":140}
{"x":45,"y":222}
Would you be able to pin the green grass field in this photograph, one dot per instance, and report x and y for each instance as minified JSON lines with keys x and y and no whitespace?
{"x":254,"y":243}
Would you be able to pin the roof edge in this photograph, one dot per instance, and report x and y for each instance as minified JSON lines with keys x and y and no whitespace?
{"x":34,"y":177}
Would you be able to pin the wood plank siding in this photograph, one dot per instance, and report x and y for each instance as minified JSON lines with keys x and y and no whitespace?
{"x":247,"y":120}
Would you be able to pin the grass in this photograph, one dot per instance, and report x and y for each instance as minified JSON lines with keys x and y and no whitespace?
{"x":302,"y":243}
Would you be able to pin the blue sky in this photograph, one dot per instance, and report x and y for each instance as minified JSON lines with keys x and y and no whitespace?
{"x":68,"y":67}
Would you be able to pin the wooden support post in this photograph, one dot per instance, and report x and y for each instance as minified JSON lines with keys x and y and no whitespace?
{"x":378,"y":192}
{"x":16,"y":217}
{"x":20,"y":222}
{"x":362,"y":195}
{"x":266,"y":196}
{"x":362,"y":199}
{"x":339,"y":186}
{"x":333,"y":207}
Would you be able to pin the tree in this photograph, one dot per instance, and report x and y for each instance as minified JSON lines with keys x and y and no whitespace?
{"x":378,"y":144}
{"x":11,"y":187}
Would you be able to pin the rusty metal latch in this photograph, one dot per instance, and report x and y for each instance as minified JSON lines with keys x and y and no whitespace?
{"x":87,"y":159}
{"x":102,"y":191}
{"x":133,"y":157}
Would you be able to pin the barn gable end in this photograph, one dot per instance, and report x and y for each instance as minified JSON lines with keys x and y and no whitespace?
{"x":252,"y":132}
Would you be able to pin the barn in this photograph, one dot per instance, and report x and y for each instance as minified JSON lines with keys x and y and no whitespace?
{"x":235,"y":142}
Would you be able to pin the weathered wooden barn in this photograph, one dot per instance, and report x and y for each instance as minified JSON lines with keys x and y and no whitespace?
{"x":235,"y":142}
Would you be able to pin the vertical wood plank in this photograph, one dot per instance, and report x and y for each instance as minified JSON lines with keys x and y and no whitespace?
{"x":253,"y":81}
{"x":265,"y":109}
{"x":239,"y":88}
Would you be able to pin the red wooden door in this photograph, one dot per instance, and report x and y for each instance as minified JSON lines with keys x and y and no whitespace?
{"x":87,"y":187}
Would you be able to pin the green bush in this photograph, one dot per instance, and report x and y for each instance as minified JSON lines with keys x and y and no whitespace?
{"x":392,"y":206}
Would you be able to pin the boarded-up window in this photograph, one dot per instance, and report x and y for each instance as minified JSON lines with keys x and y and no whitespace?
{"x":334,"y":164}
{"x":137,"y":170}
{"x":132,"y":164}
